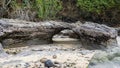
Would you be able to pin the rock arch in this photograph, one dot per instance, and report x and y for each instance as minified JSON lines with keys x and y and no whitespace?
{"x":14,"y":31}
{"x":17,"y":31}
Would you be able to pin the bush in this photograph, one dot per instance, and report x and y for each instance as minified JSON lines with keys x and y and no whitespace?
{"x":100,"y":11}
{"x":47,"y":9}
{"x":97,"y":5}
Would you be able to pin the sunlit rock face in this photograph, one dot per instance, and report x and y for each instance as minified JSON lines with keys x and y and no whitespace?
{"x":95,"y":34}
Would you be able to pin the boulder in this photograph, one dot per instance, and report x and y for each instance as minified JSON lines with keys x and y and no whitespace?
{"x":96,"y":34}
{"x":20,"y":32}
{"x":106,"y":59}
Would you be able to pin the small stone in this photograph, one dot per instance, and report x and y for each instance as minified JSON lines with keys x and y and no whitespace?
{"x":73,"y":49}
{"x":48,"y":63}
{"x":14,"y":52}
{"x":37,"y":49}
{"x":57,"y":65}
{"x":68,"y":59}
{"x":65,"y":49}
{"x":54,"y":56}
{"x":43,"y":60}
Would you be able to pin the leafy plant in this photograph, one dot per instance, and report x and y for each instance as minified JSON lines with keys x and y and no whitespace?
{"x":47,"y":9}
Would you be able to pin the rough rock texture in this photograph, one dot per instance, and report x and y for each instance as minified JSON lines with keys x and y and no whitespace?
{"x":69,"y":32}
{"x":17,"y":31}
{"x":95,"y":34}
{"x":20,"y":32}
{"x":106,"y":59}
{"x":109,"y":58}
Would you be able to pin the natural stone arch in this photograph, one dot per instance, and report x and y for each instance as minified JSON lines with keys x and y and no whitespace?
{"x":18,"y":31}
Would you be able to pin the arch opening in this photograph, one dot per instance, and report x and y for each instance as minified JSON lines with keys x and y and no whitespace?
{"x":65,"y":36}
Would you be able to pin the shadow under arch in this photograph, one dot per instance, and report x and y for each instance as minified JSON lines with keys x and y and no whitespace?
{"x":64,"y":35}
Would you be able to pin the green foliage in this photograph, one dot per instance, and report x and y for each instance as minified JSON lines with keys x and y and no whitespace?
{"x":97,"y":5}
{"x":24,"y":4}
{"x":47,"y":9}
{"x":13,"y":4}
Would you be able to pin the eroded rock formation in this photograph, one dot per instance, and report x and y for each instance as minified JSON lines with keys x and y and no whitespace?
{"x":18,"y":31}
{"x":106,"y":59}
{"x":96,"y":34}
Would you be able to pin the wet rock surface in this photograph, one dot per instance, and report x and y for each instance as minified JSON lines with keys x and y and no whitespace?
{"x":109,"y":58}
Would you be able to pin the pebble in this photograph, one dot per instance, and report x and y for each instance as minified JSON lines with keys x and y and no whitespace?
{"x":48,"y":63}
{"x":73,"y":49}
{"x":54,"y":56}
{"x":43,"y":60}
